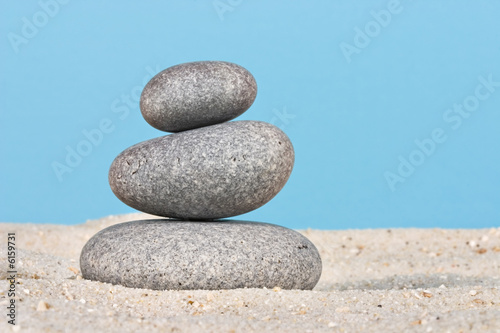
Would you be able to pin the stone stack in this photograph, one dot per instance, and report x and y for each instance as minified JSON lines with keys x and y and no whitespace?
{"x":207,"y":170}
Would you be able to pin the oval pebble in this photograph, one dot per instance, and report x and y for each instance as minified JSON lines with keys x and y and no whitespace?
{"x":206,"y":173}
{"x":197,"y":94}
{"x":170,"y":255}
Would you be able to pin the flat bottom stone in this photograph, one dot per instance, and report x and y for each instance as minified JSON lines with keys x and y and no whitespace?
{"x":167,"y":254}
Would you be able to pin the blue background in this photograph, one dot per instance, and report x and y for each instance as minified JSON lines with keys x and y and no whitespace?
{"x":351,"y":115}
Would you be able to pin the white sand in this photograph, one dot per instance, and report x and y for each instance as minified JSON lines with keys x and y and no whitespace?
{"x":400,"y":280}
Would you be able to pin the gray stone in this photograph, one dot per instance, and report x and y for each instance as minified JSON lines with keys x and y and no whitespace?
{"x":197,"y":94}
{"x":206,"y":173}
{"x":172,"y":255}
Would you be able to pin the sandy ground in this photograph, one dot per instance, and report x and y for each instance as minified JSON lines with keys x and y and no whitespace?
{"x":399,"y":280}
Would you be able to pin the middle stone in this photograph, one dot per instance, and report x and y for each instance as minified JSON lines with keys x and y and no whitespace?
{"x":206,"y":173}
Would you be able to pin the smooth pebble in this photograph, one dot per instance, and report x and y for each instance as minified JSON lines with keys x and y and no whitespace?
{"x":197,"y":94}
{"x":172,"y":255}
{"x":208,"y":173}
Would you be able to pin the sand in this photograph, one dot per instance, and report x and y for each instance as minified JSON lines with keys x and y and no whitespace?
{"x":399,"y":280}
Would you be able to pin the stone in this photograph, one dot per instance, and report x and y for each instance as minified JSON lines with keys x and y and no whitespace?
{"x":207,"y":173}
{"x":165,"y":254}
{"x":197,"y":94}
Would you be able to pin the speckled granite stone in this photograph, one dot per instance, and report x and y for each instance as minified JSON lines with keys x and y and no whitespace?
{"x":197,"y":94}
{"x":167,"y":254}
{"x":206,"y":173}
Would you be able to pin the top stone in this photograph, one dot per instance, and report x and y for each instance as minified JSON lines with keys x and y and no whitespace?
{"x":197,"y":94}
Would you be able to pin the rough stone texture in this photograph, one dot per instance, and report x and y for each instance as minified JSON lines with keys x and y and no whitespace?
{"x":172,"y":255}
{"x":206,"y":173}
{"x":197,"y":94}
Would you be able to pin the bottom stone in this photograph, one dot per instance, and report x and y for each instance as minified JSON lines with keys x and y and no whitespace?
{"x":172,"y":255}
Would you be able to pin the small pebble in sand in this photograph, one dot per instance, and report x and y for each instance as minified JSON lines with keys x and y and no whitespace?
{"x":343,"y":309}
{"x":42,"y":306}
{"x":73,"y":269}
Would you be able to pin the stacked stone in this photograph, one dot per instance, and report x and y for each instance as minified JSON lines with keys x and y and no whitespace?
{"x":207,"y":170}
